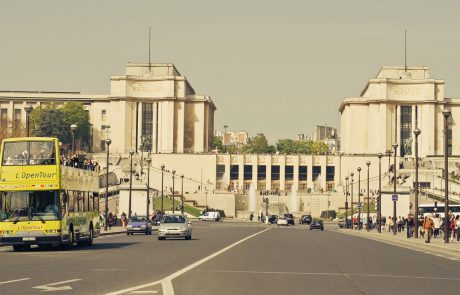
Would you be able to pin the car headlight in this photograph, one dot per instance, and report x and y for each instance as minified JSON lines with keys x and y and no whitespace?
{"x":143,"y":226}
{"x":130,"y":226}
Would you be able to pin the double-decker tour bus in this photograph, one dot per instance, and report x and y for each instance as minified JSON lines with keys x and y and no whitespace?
{"x":43,"y":202}
{"x":438,"y":208}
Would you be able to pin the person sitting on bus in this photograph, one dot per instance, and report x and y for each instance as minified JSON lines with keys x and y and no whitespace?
{"x":8,"y":161}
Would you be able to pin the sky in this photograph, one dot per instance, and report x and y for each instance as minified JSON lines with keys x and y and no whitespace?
{"x":273,"y":67}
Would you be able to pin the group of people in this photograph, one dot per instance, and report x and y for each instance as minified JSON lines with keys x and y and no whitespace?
{"x":76,"y":162}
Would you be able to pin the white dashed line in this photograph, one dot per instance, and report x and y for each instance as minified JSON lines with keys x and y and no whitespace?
{"x":13,"y":281}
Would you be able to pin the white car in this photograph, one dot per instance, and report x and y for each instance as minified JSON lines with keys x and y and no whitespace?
{"x":282,"y":221}
{"x":174,"y":226}
{"x":212,"y":216}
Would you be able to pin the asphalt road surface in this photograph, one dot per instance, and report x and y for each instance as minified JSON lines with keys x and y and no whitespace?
{"x":230,"y":258}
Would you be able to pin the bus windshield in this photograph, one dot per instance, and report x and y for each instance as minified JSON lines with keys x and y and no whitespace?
{"x":29,"y":153}
{"x":30,"y":205}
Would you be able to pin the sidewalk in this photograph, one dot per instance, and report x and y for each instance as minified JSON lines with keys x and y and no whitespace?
{"x":435,"y":246}
{"x":115,"y":230}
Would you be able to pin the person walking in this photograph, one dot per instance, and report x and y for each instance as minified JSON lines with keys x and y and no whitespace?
{"x":428,"y":226}
{"x":437,"y":225}
{"x":409,"y":224}
{"x":110,"y":221}
{"x":123,"y":220}
{"x":457,"y":226}
{"x":452,"y":228}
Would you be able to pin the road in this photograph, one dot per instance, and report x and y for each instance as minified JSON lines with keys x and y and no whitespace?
{"x":230,"y":258}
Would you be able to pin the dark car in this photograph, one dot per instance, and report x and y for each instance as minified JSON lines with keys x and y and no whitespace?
{"x":290,"y":218}
{"x":342,"y":223}
{"x":139,"y":224}
{"x":272,"y":219}
{"x":317,"y":224}
{"x":305,"y":219}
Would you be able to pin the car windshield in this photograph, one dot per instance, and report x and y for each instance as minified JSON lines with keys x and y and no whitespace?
{"x":29,"y":205}
{"x":174,"y":219}
{"x":138,"y":219}
{"x":29,"y":153}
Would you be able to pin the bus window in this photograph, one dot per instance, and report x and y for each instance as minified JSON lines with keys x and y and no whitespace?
{"x":87,"y":201}
{"x":96,"y":202}
{"x":71,"y":197}
{"x":33,"y":205}
{"x":29,"y":153}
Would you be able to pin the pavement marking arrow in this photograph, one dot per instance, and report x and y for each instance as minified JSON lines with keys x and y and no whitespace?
{"x":51,"y":288}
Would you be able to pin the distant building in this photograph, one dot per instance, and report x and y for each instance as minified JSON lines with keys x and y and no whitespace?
{"x":238,"y":138}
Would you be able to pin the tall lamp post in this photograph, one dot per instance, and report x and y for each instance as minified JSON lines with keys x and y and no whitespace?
{"x":149,"y":160}
{"x":416,"y":133}
{"x":182,"y":195}
{"x":351,"y":199}
{"x":131,"y":153}
{"x":173,"y":190}
{"x":346,"y":202}
{"x":368,"y":163}
{"x":446,"y":114}
{"x":359,"y":198}
{"x":74,"y":127}
{"x":395,"y":147}
{"x":379,"y":197}
{"x":28,"y":108}
{"x":162,"y":189}
{"x":206,"y":200}
{"x":107,"y":142}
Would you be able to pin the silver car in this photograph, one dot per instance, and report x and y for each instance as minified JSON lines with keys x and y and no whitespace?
{"x":174,"y":226}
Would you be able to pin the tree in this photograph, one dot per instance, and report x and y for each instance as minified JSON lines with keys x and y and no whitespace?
{"x":259,"y":145}
{"x":319,"y":148}
{"x":7,"y":130}
{"x":74,"y":113}
{"x":217,"y":143}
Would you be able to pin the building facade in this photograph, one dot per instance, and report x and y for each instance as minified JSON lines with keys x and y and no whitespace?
{"x":389,"y":109}
{"x":151,"y":105}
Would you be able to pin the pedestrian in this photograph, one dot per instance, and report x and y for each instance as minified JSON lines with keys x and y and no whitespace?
{"x":251,"y":217}
{"x":409,"y":225}
{"x":258,"y":216}
{"x":262,"y":217}
{"x":428,"y":226}
{"x":452,"y":228}
{"x":457,"y":226}
{"x":123,"y":219}
{"x":437,"y":225}
{"x":110,"y":221}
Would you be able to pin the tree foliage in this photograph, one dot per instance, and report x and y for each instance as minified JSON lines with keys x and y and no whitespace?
{"x":7,"y":130}
{"x":55,"y":122}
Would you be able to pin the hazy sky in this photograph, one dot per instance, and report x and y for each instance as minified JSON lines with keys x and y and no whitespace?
{"x":277,"y":67}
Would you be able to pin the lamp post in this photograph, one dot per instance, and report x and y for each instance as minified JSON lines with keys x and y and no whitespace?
{"x":182,"y":195}
{"x":351,"y":199}
{"x":131,"y":153}
{"x":74,"y":127}
{"x":107,"y":142}
{"x":395,"y":147}
{"x":149,"y":160}
{"x":416,"y":133}
{"x":162,"y":189}
{"x":173,"y":190}
{"x":446,"y":114}
{"x":206,"y":200}
{"x":346,"y":202}
{"x":379,"y":197}
{"x":368,"y":163}
{"x":359,"y":198}
{"x":28,"y":108}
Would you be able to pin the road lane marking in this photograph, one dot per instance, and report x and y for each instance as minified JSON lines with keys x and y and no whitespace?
{"x":144,"y":292}
{"x":166,"y":282}
{"x":50,"y":287}
{"x":13,"y":281}
{"x":348,"y":275}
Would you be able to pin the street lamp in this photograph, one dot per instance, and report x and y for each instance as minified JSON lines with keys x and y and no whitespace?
{"x":182,"y":195}
{"x":368,"y":163}
{"x":74,"y":127}
{"x":446,"y":114}
{"x":173,"y":173}
{"x":28,"y":108}
{"x":359,"y":198}
{"x":107,"y":142}
{"x":131,"y":153}
{"x":346,"y":201}
{"x":395,"y":147}
{"x":379,"y":197}
{"x":416,"y":133}
{"x":351,"y":199}
{"x":162,"y":189}
{"x":148,"y":186}
{"x":206,"y":200}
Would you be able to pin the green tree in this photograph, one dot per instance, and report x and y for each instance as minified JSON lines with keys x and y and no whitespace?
{"x":319,"y":148}
{"x":74,"y":113}
{"x":217,"y":143}
{"x":259,"y":145}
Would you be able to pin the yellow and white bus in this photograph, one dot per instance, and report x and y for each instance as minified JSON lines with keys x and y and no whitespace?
{"x":43,"y":202}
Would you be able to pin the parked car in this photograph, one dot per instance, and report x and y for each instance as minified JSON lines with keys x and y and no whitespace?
{"x":272,"y":219}
{"x":342,"y":224}
{"x":213,"y":216}
{"x":290,"y":218}
{"x":317,"y":224}
{"x":282,"y":221}
{"x":305,"y":219}
{"x":175,"y":226}
{"x":139,"y":224}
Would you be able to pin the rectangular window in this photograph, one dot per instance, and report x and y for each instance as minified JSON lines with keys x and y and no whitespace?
{"x":247,"y":172}
{"x":275,"y":172}
{"x":303,"y":173}
{"x":330,"y":173}
{"x":102,"y":145}
{"x":406,"y":130}
{"x":316,"y":172}
{"x":289,"y":173}
{"x":17,"y":118}
{"x":261,"y":172}
{"x":103,"y":115}
{"x":147,"y":126}
{"x":234,"y":172}
{"x":3,"y":117}
{"x":220,"y":171}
